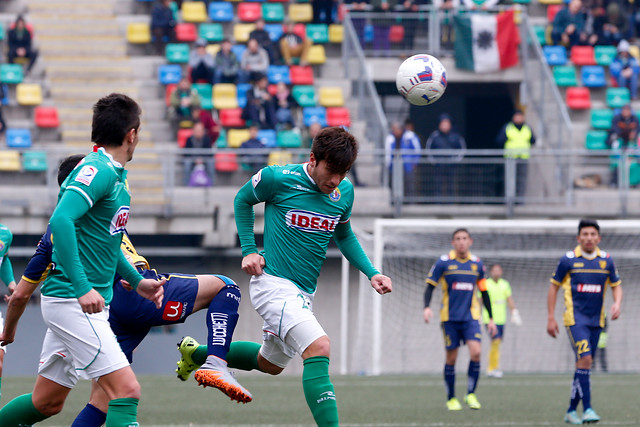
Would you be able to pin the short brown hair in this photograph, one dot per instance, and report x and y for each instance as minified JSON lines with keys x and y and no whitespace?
{"x":113,"y":117}
{"x":337,"y":147}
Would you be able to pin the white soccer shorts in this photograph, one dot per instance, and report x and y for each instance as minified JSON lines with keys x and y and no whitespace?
{"x":77,"y":344}
{"x":289,"y":323}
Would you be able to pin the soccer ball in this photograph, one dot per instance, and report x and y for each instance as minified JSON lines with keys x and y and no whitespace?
{"x":421,"y":79}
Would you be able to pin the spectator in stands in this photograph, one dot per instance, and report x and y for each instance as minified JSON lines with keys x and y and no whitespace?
{"x":568,"y":25}
{"x":254,"y":161}
{"x":615,"y":26}
{"x":163,"y":25}
{"x":255,"y":60}
{"x":311,"y":133}
{"x":211,"y":127}
{"x":182,"y":102}
{"x":323,"y":11}
{"x":624,"y":69}
{"x":406,"y":140}
{"x":622,"y":136}
{"x":448,"y":9}
{"x":284,"y":104}
{"x":264,"y":40}
{"x":381,"y":26}
{"x":227,"y":64}
{"x":358,"y":23}
{"x":201,"y":63}
{"x":198,"y":141}
{"x":410,"y":25}
{"x":445,"y":165}
{"x":20,"y":44}
{"x":516,"y":137}
{"x":260,"y":108}
{"x":292,"y":45}
{"x":594,"y":21}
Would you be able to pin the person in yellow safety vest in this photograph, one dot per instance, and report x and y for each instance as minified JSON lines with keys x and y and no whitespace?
{"x":516,"y":137}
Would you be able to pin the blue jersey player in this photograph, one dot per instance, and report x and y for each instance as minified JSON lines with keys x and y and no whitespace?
{"x":584,"y":274}
{"x":459,"y":272}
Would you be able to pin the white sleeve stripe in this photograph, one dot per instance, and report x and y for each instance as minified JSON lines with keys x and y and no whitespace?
{"x":345,"y":221}
{"x":81,"y":191}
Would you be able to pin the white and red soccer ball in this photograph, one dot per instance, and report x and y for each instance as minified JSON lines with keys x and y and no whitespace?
{"x":421,"y":79}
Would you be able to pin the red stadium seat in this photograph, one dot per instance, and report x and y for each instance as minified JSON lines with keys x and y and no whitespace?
{"x":272,"y":89}
{"x":583,"y":55}
{"x":183,"y":135}
{"x":167,"y":93}
{"x":186,"y":32}
{"x":338,"y":116}
{"x":396,"y":33}
{"x":578,"y":98}
{"x":226,"y":162}
{"x":299,"y":29}
{"x":249,"y":12}
{"x":552,"y":10}
{"x":301,"y":75}
{"x":46,"y":117}
{"x":232,"y":118}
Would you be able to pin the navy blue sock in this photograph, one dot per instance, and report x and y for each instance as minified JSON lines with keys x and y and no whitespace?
{"x":90,"y":416}
{"x":473,"y":374}
{"x":222,"y":318}
{"x":576,"y":393}
{"x":450,"y":380}
{"x":584,"y":378}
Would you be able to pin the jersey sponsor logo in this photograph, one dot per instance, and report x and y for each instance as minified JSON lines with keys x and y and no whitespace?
{"x":255,"y":179}
{"x":119,"y":221}
{"x":288,"y":172}
{"x":335,"y":195}
{"x":603,"y":264}
{"x":86,"y":175}
{"x":310,"y":221}
{"x":589,"y":289}
{"x":173,"y":310}
{"x":299,"y":187}
{"x":462,"y":286}
{"x":578,"y":264}
{"x":452,"y":267}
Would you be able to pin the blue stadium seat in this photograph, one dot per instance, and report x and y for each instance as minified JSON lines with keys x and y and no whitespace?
{"x":555,"y":55}
{"x":314,"y":115}
{"x":242,"y":90}
{"x":268,"y":137}
{"x":278,"y":73}
{"x":238,"y":49}
{"x":221,"y":11}
{"x":5,"y":90}
{"x":170,"y":73}
{"x":593,"y":76}
{"x":368,"y":33}
{"x":275,"y":31}
{"x":18,"y":138}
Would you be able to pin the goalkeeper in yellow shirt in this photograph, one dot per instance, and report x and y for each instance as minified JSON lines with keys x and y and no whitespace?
{"x":500,"y":296}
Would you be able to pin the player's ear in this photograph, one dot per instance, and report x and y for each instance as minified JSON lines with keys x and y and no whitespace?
{"x":312,"y":159}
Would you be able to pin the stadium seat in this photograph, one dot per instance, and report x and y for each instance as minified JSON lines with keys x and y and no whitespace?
{"x":593,"y":76}
{"x":330,"y":97}
{"x":235,"y":137}
{"x":226,"y":162}
{"x":317,"y":55}
{"x":552,"y":10}
{"x":555,"y":55}
{"x":238,"y":49}
{"x":18,"y":138}
{"x":213,"y":49}
{"x":242,"y":90}
{"x":177,"y":53}
{"x":170,"y":73}
{"x":565,"y":75}
{"x":194,"y":11}
{"x":138,"y":33}
{"x":578,"y":98}
{"x":583,"y":55}
{"x":211,"y":32}
{"x":279,"y":158}
{"x":9,"y":161}
{"x":601,"y":119}
{"x":540,"y":32}
{"x":167,"y":93}
{"x":241,"y":32}
{"x":596,"y":140}
{"x":634,"y":51}
{"x":46,"y":117}
{"x":278,"y":73}
{"x":221,"y":11}
{"x":299,"y":29}
{"x":5,"y":99}
{"x":318,"y":33}
{"x":204,"y":90}
{"x":300,"y":12}
{"x":605,"y":54}
{"x":617,"y":97}
{"x":183,"y":135}
{"x":275,"y":31}
{"x":231,"y":118}
{"x":396,"y":33}
{"x":29,"y":94}
{"x":272,"y":89}
{"x":225,"y":96}
{"x":338,"y":116}
{"x":301,"y":75}
{"x":221,"y":142}
{"x":268,"y":137}
{"x":186,"y":32}
{"x":304,"y":95}
{"x":273,"y":12}
{"x":312,"y":115}
{"x":34,"y":161}
{"x":557,"y":2}
{"x":11,"y":73}
{"x":289,"y":139}
{"x":336,"y":33}
{"x":249,"y":12}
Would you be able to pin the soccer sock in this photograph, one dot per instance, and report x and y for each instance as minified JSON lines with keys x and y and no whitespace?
{"x":473,"y":374}
{"x":494,"y":355}
{"x":319,"y":391}
{"x":243,"y":355}
{"x":199,"y":356}
{"x":584,"y":378}
{"x":450,"y":380}
{"x":222,"y":318}
{"x":20,"y":412}
{"x":576,"y":393}
{"x":90,"y":416}
{"x":122,"y":413}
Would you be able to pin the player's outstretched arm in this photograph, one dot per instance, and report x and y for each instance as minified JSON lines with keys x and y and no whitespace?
{"x":552,"y":325}
{"x":617,"y":302}
{"x":17,"y":303}
{"x":381,"y":283}
{"x":153,"y":290}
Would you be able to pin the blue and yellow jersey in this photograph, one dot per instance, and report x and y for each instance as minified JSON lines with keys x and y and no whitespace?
{"x":458,"y":278}
{"x":585,"y":283}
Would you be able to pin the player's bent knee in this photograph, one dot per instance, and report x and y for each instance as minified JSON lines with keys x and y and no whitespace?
{"x":584,"y":362}
{"x":49,"y":407}
{"x":267,"y":367}
{"x":320,"y":347}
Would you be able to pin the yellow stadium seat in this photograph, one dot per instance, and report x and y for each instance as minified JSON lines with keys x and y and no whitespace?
{"x":225,"y":96}
{"x":9,"y":161}
{"x":336,"y":33}
{"x":194,"y":11}
{"x":235,"y":137}
{"x":331,"y":97}
{"x":29,"y":94}
{"x":138,"y":33}
{"x":300,"y":12}
{"x":317,"y":54}
{"x":634,"y":51}
{"x":213,"y":49}
{"x":551,"y":1}
{"x":279,"y":158}
{"x":241,"y":32}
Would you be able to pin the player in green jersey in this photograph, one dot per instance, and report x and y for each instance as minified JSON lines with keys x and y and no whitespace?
{"x":6,"y":276}
{"x":87,"y":226}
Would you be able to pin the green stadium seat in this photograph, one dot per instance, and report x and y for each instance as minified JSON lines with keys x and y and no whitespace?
{"x":605,"y":54}
{"x":221,"y":142}
{"x":565,"y":75}
{"x":11,"y":73}
{"x":205,"y":92}
{"x":318,"y":33}
{"x":617,"y":97}
{"x":596,"y":140}
{"x":540,"y":32}
{"x":634,"y":174}
{"x":289,"y":139}
{"x":305,"y":95}
{"x":34,"y":161}
{"x":273,"y":12}
{"x":601,"y":119}
{"x":177,"y":53}
{"x":211,"y":32}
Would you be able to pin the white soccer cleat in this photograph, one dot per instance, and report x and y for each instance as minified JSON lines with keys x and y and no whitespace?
{"x":214,"y":373}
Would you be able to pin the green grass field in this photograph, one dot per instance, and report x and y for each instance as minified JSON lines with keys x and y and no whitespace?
{"x":516,"y":400}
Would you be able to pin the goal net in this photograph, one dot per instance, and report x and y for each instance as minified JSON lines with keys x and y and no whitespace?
{"x":392,"y":337}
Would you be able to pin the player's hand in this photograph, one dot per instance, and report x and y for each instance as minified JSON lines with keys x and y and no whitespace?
{"x":515,"y":317}
{"x":381,"y":283}
{"x":492,"y":328}
{"x":552,"y":328}
{"x":253,"y":264}
{"x":91,"y":302}
{"x":615,"y":311}
{"x":126,"y":285}
{"x":7,"y":338}
{"x":427,"y":315}
{"x":12,"y":288}
{"x":153,"y":290}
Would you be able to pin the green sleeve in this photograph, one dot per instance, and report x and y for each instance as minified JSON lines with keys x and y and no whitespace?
{"x":245,"y":218}
{"x":127,"y":271}
{"x":6,"y":271}
{"x":350,"y":246}
{"x":71,"y":207}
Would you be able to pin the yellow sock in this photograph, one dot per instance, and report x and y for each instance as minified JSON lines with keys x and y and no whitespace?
{"x":494,"y":355}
